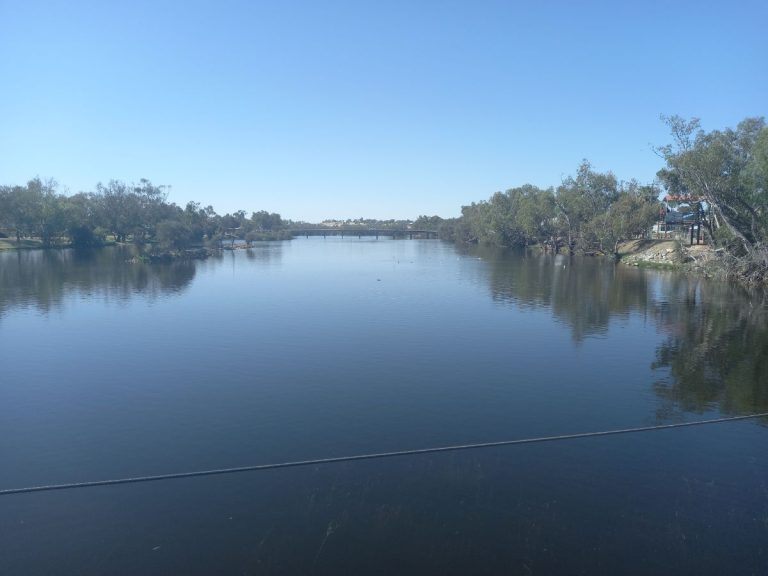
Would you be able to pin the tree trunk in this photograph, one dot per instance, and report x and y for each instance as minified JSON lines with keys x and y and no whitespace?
{"x":731,"y":228}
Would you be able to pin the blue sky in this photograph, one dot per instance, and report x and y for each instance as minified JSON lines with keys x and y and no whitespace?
{"x":385,"y":109}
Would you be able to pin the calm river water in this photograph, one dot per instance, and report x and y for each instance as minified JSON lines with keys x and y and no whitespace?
{"x":317,"y":348}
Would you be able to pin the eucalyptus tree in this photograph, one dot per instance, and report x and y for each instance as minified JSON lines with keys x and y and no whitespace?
{"x":728,"y":170}
{"x":131,"y":209}
{"x":33,"y":210}
{"x":724,"y":168}
{"x":174,"y":234}
{"x":47,"y":210}
{"x":17,"y":213}
{"x":425,"y":222}
{"x":264,"y":221}
{"x":535,"y":212}
{"x":8,"y":218}
{"x":151,"y":207}
{"x":633,"y":212}
{"x":117,"y":208}
{"x":582,"y":199}
{"x":83,"y":226}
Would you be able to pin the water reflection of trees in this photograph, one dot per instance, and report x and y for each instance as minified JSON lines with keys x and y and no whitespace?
{"x":715,"y":349}
{"x":583,"y":293}
{"x":265,"y":252}
{"x":44,"y":279}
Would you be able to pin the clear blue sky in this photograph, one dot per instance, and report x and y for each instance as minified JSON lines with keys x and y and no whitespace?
{"x":388,"y":109}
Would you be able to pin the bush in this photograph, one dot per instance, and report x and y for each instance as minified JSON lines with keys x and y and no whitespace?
{"x":173,"y":235}
{"x":84,"y":237}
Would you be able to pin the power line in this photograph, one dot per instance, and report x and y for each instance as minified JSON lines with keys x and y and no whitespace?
{"x":371,"y":456}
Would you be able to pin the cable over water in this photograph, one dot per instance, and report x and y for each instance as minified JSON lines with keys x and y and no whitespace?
{"x":371,"y":456}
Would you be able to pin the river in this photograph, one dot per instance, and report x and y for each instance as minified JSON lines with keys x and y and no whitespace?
{"x":316,"y":348}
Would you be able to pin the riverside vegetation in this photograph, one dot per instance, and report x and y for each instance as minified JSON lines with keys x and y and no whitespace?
{"x":722,"y":173}
{"x":121,"y":212}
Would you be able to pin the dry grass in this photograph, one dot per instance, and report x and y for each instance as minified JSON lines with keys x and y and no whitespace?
{"x":636,"y":247}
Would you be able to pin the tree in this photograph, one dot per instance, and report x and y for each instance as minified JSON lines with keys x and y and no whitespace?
{"x":633,"y":213}
{"x":719,"y":167}
{"x":518,"y":217}
{"x":535,"y":212}
{"x":726,"y":170}
{"x":33,"y":210}
{"x":47,"y":212}
{"x":151,"y":207}
{"x":581,"y":199}
{"x":118,"y":209}
{"x":427,"y":223}
{"x":17,"y":211}
{"x":264,"y":221}
{"x":132,"y":209}
{"x":174,"y":235}
{"x":11,"y":212}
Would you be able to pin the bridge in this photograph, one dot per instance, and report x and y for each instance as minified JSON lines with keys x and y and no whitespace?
{"x":360,"y":232}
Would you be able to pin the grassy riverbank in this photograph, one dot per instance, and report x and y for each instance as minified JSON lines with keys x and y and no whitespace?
{"x":37,"y":244}
{"x":26,"y":244}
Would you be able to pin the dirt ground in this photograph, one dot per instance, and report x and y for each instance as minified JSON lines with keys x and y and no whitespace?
{"x":642,"y":246}
{"x":663,"y":253}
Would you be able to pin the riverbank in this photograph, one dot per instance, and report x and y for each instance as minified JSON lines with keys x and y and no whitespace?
{"x":701,"y":259}
{"x":37,"y":244}
{"x":26,"y":244}
{"x":196,"y":251}
{"x":651,"y":253}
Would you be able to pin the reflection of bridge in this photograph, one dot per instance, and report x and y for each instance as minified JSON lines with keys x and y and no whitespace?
{"x":360,"y":232}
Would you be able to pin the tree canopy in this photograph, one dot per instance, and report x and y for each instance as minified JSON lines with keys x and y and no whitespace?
{"x":135,"y":212}
{"x":727,"y":170}
{"x":590,"y":212}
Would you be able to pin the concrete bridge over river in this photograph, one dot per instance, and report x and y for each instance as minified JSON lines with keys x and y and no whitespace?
{"x":360,"y":232}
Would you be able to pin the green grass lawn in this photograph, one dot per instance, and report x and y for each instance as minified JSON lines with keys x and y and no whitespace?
{"x":33,"y":243}
{"x":11,"y":244}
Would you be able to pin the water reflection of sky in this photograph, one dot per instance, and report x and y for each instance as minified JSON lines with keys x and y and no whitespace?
{"x":315,"y":348}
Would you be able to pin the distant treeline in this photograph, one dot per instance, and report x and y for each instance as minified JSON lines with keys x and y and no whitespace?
{"x":721,"y":174}
{"x":124,"y":212}
{"x":140,"y":213}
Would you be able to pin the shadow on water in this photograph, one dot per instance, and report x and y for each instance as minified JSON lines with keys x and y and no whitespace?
{"x":43,"y":279}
